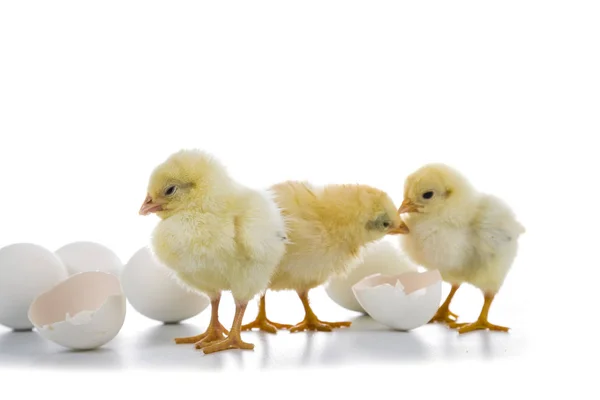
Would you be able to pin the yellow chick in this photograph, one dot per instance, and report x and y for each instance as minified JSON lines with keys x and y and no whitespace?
{"x":216,"y":235}
{"x":327,"y":227}
{"x":467,"y":235}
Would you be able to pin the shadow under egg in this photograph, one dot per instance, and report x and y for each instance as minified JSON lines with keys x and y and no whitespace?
{"x":22,"y":347}
{"x":94,"y":359}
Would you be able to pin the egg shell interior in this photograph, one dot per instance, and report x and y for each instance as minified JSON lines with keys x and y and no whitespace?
{"x":82,"y":292}
{"x":411,"y":281}
{"x":404,"y":301}
{"x":381,"y":257}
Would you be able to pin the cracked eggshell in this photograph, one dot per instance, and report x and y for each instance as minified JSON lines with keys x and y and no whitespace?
{"x":380,"y":257}
{"x":26,"y":270}
{"x":89,"y":256}
{"x":84,"y":312}
{"x":153,"y":292}
{"x":403,"y":302}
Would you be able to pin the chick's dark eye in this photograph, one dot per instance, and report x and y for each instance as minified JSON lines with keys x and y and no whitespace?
{"x":428,"y":195}
{"x":170,"y":190}
{"x":387,"y":224}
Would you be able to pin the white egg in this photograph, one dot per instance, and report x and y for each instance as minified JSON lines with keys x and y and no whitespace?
{"x":84,"y":312}
{"x":403,"y":302}
{"x":151,"y":290}
{"x":379,"y":257}
{"x":26,"y":270}
{"x":89,"y":256}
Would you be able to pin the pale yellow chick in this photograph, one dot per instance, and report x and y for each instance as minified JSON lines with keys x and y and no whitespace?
{"x":216,"y":235}
{"x":327,"y":227}
{"x":467,"y":235}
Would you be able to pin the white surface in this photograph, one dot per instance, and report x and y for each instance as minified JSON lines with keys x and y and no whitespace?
{"x":94,"y":94}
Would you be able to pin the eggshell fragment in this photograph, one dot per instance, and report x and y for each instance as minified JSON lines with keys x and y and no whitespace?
{"x":151,"y":290}
{"x":89,"y":256}
{"x":379,"y":257}
{"x":403,"y":302}
{"x":84,"y":312}
{"x":26,"y":270}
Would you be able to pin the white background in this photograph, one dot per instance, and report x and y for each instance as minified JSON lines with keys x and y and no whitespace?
{"x":94,"y":94}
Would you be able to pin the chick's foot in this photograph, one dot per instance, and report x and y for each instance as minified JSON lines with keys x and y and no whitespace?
{"x":444,"y":316}
{"x":482,"y":322}
{"x":313,"y":324}
{"x":477,"y":325}
{"x":213,"y":333}
{"x":231,"y":342}
{"x":234,"y":340}
{"x":263,"y":324}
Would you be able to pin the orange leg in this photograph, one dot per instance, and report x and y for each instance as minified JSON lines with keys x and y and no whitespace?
{"x":261,"y":322}
{"x":311,"y":322}
{"x":482,"y":321}
{"x":214,"y":332}
{"x":234,"y":340}
{"x":443,"y":314}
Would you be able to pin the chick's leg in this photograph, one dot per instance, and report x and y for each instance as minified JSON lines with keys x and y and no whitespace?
{"x":234,"y":340}
{"x":261,"y":322}
{"x":482,"y":321}
{"x":311,"y":322}
{"x":215,"y":330}
{"x":443,"y":314}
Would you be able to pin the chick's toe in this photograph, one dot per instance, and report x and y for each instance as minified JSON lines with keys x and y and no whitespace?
{"x":444,"y":316}
{"x":263,"y":324}
{"x":213,"y":333}
{"x":314,"y":324}
{"x":231,"y":342}
{"x":478,"y":325}
{"x":482,"y":322}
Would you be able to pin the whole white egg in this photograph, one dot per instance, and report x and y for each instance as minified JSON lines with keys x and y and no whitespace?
{"x":26,"y":270}
{"x":85,"y":311}
{"x":89,"y":256}
{"x":154,"y":293}
{"x":378,"y":257}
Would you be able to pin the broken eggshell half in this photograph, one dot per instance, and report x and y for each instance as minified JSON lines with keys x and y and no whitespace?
{"x":84,"y":312}
{"x":403,"y":302}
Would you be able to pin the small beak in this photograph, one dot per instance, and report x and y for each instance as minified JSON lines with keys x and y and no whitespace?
{"x":149,"y":206}
{"x":408,"y":206}
{"x":401,"y":229}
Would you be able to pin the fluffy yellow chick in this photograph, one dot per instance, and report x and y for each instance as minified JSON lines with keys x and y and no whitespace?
{"x":467,"y":235}
{"x":216,"y":235}
{"x":327,"y":227}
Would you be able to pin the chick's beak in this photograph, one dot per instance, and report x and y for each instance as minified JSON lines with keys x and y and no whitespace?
{"x":408,"y":206}
{"x":400,"y":229}
{"x":150,"y":206}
